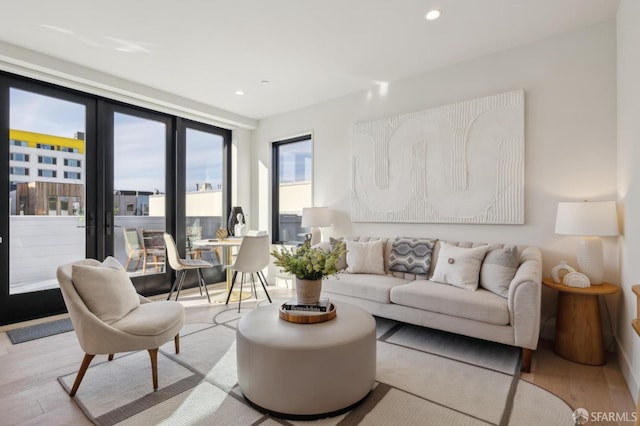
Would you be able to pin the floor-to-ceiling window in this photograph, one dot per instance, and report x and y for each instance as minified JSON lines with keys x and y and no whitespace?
{"x":292,"y":173}
{"x":90,"y":177}
{"x":204,"y":198}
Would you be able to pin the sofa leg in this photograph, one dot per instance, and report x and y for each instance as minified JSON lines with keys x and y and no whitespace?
{"x":527,"y":354}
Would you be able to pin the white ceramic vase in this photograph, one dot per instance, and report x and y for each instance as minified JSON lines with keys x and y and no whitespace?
{"x":308,"y":291}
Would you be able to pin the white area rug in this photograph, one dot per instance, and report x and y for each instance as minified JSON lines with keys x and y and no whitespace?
{"x":424,"y":377}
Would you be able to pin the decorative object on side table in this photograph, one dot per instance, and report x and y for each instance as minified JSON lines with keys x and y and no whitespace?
{"x":233,"y":220}
{"x":221,"y":234}
{"x":576,"y":279}
{"x":560,"y":270}
{"x":310,"y":266}
{"x":590,"y":220}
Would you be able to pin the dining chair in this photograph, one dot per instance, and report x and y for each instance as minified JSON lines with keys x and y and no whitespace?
{"x":109,"y":316}
{"x":134,"y":246}
{"x":154,"y":248}
{"x":194,"y":233}
{"x":252,"y":258}
{"x":182,"y":266}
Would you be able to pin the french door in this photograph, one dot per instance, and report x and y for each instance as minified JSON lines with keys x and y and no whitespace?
{"x":48,"y":145}
{"x":138,"y":174}
{"x":89,"y":177}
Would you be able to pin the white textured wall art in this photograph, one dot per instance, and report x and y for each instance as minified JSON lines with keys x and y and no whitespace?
{"x":460,"y":163}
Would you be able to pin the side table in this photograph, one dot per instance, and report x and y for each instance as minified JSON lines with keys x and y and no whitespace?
{"x":578,"y":324}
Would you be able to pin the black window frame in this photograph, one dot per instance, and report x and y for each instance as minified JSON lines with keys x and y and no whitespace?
{"x":275,"y":182}
{"x":48,"y":302}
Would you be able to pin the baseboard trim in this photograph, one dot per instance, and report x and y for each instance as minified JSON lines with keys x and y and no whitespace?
{"x":625,"y":366}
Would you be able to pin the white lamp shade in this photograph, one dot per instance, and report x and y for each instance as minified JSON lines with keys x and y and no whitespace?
{"x":587,"y":218}
{"x":315,"y":217}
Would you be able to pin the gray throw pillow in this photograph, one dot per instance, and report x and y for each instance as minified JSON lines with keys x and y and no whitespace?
{"x":411,"y":255}
{"x":498,"y":269}
{"x":342,"y":262}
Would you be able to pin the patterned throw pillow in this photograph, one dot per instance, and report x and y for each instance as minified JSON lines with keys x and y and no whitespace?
{"x":412,"y":255}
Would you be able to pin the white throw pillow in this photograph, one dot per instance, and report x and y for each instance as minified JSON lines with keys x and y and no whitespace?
{"x":459,"y":266}
{"x":365,"y":257}
{"x":106,"y":289}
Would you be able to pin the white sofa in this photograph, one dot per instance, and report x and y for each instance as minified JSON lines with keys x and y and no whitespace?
{"x":417,"y":299}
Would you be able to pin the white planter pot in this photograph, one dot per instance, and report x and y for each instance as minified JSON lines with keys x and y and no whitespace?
{"x":308,"y":291}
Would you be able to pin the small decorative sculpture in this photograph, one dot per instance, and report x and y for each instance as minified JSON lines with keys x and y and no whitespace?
{"x":559,"y":271}
{"x":233,"y":217}
{"x":238,"y":229}
{"x":221,"y":234}
{"x":576,"y":279}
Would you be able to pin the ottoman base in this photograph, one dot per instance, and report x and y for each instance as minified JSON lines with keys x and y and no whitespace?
{"x":304,"y":417}
{"x":306,"y":371}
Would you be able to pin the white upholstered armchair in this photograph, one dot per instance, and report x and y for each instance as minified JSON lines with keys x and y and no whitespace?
{"x":109,"y":316}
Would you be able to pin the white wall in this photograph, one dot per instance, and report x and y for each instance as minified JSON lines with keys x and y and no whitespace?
{"x":628,"y":34}
{"x":241,"y":174}
{"x":570,"y":138}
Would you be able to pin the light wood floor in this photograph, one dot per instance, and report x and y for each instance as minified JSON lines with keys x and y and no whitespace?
{"x":31,"y":395}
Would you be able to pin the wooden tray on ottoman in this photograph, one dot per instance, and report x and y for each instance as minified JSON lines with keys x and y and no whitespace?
{"x":308,"y":317}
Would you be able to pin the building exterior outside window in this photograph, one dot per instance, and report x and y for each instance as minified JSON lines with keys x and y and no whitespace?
{"x":47,"y":173}
{"x":59,"y":154}
{"x":46,"y":159}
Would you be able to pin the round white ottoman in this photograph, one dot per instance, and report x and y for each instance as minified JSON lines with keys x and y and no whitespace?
{"x":305,"y":371}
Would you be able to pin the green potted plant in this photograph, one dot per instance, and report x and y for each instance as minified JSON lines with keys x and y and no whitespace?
{"x":310,"y":266}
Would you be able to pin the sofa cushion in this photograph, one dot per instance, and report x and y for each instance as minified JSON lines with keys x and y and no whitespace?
{"x":106,"y":289}
{"x":365,"y":257}
{"x":480,"y":305}
{"x":459,"y":266}
{"x":364,"y":286}
{"x":412,"y":255}
{"x":498,"y":269}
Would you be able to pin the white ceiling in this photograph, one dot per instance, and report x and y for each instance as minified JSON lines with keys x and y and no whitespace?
{"x":309,"y":51}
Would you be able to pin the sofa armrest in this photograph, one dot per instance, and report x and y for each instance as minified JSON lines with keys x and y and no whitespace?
{"x":524,"y":299}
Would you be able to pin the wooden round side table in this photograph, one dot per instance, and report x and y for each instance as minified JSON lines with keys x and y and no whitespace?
{"x":578,"y":324}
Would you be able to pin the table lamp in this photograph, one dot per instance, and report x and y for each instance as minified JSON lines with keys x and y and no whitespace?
{"x":315,"y":218}
{"x":590,"y":220}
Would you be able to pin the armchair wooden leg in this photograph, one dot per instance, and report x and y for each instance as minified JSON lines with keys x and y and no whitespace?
{"x":153,"y":354}
{"x":527,"y":354}
{"x":176,"y":341}
{"x":83,"y":369}
{"x":110,"y":357}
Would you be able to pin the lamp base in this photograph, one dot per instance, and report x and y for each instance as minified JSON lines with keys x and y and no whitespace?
{"x":590,"y":259}
{"x":316,"y":236}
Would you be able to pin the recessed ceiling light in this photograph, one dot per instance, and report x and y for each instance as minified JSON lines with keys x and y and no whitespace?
{"x":239,"y":92}
{"x":433,"y":14}
{"x":265,"y":82}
